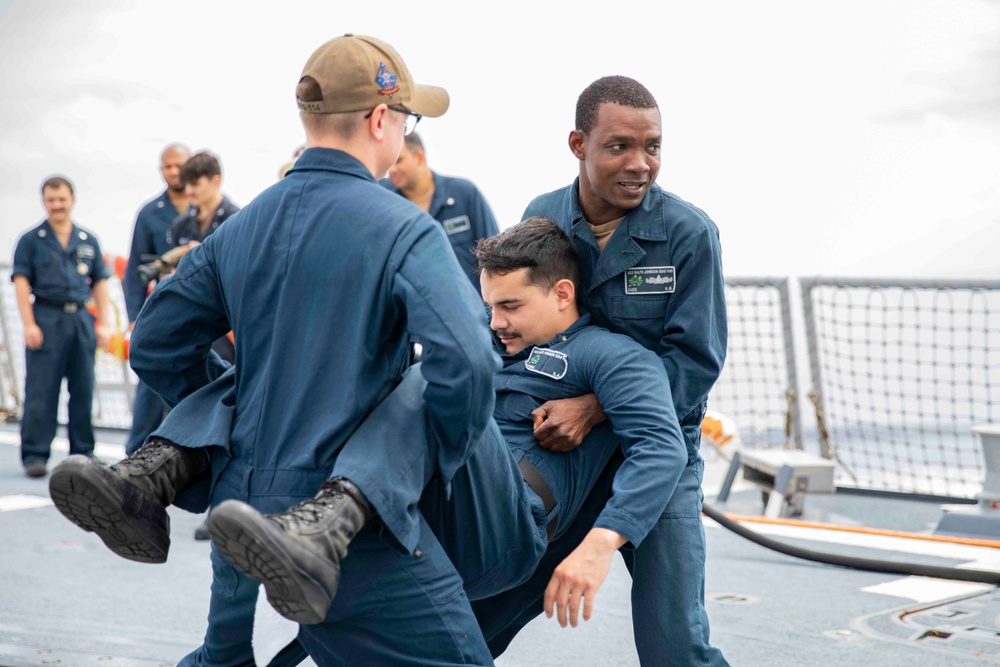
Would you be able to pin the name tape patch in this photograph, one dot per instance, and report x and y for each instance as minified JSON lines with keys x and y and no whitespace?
{"x":650,"y":280}
{"x":550,"y":363}
{"x":457,"y":225}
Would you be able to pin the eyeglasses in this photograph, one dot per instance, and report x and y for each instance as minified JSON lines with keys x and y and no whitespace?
{"x":412,"y":118}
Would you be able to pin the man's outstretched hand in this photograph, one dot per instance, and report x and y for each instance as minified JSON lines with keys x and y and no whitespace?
{"x":579,"y":576}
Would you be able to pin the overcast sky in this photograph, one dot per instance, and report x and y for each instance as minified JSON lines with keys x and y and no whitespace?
{"x":835,"y":138}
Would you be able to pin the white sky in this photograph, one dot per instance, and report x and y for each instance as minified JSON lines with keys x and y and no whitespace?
{"x":834,"y":138}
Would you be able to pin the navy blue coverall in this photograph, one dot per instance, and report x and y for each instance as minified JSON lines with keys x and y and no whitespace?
{"x":149,"y":237}
{"x":473,"y":525}
{"x":324,"y":278}
{"x":659,"y":281}
{"x":464,"y":214}
{"x":183,"y":230}
{"x":492,"y":527}
{"x":185,"y":227}
{"x":61,"y":281}
{"x":588,"y":359}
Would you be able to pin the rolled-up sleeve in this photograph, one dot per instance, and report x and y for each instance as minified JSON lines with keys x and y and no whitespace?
{"x":23,"y":260}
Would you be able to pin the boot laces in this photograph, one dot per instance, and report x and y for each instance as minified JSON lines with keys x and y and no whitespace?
{"x":309,"y":511}
{"x":145,"y":456}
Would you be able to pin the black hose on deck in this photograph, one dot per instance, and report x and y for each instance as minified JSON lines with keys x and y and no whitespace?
{"x":871,"y":564}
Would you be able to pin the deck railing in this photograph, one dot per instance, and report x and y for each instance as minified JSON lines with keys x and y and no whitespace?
{"x":898,"y":373}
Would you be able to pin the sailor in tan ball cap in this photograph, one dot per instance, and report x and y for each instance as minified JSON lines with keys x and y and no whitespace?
{"x":357,"y":73}
{"x":325,"y":278}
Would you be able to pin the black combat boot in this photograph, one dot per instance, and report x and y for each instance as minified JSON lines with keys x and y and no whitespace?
{"x":297,"y":553}
{"x":125,"y":504}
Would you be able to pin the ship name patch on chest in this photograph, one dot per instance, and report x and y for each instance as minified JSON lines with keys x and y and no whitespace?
{"x":550,"y":363}
{"x":650,"y":280}
{"x":457,"y":225}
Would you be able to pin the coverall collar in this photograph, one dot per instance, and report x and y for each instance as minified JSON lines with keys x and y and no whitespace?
{"x":645,"y":222}
{"x":562,"y":336}
{"x":441,"y":198}
{"x":330,"y":159}
{"x":50,"y":237}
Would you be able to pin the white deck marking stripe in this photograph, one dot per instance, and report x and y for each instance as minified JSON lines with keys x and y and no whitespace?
{"x":973,"y":557}
{"x":985,"y":557}
{"x":22,"y":502}
{"x":925,"y":589}
{"x":919,"y":589}
{"x":106,"y":450}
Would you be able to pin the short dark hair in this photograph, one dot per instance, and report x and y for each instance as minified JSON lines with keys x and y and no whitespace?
{"x":537,"y":244}
{"x":57,"y":182}
{"x":198,"y":165}
{"x":618,"y":89}
{"x":414,"y":143}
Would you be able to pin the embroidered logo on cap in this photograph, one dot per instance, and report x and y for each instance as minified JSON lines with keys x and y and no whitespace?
{"x":650,"y":280}
{"x":550,"y":363}
{"x":386,"y":80}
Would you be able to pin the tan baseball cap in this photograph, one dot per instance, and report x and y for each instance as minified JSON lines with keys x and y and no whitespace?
{"x":355,"y":72}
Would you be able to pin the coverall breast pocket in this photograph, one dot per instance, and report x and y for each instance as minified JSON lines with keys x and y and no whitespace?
{"x":624,"y":308}
{"x":46,"y":268}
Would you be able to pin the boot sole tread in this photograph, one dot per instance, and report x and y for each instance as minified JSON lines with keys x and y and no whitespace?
{"x":244,"y":539}
{"x":83,"y":496}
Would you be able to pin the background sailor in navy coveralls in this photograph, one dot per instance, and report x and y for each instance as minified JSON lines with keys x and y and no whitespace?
{"x":149,"y":238}
{"x":185,"y":228}
{"x":323,"y":279}
{"x":658,"y":280}
{"x":61,"y":264}
{"x":202,"y":178}
{"x":201,"y":175}
{"x":455,"y":202}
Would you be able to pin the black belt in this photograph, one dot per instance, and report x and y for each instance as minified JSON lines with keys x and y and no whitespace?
{"x":65,"y":306}
{"x":534,"y":479}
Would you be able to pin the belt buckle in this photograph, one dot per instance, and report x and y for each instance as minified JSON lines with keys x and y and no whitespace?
{"x":70,"y":307}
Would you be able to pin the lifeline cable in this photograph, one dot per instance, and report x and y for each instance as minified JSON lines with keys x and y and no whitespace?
{"x":854,"y":562}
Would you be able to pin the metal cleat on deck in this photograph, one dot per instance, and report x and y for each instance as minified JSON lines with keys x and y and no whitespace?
{"x":981,"y":520}
{"x":784,"y":476}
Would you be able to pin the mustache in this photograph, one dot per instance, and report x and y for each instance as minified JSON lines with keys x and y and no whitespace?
{"x":508,"y":333}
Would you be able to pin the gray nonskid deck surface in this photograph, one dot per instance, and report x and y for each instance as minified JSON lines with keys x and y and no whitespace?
{"x":66,"y":600}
